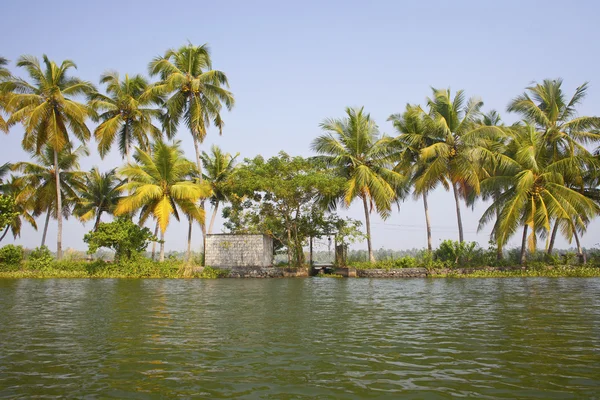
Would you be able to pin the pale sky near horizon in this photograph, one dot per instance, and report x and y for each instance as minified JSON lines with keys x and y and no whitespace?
{"x":293,"y":64}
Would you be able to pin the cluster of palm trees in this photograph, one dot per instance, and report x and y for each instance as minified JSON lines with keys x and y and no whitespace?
{"x":540,"y":173}
{"x":53,"y":107}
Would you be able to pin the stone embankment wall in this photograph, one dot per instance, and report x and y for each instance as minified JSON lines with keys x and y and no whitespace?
{"x":227,"y":251}
{"x":266,"y":272}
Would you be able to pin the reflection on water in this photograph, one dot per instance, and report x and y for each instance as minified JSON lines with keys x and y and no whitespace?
{"x":300,"y":338}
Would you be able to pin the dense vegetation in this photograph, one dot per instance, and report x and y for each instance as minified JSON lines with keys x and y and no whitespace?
{"x":541,"y":175}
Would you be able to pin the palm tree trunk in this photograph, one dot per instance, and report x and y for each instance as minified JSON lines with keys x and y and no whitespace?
{"x":553,"y":237}
{"x":199,"y":165}
{"x":127,"y":149}
{"x":368,"y":225}
{"x":212,"y":219}
{"x":580,"y":254}
{"x":427,"y":222}
{"x":162,"y":246}
{"x":45,"y":229}
{"x":97,"y":221}
{"x":524,"y":245}
{"x":4,"y":234}
{"x":461,"y":237}
{"x":188,"y":254}
{"x":58,"y":208}
{"x":154,"y":243}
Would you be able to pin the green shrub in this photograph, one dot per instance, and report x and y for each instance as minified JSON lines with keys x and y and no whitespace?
{"x":40,"y":258}
{"x":11,"y":257}
{"x":456,"y":253}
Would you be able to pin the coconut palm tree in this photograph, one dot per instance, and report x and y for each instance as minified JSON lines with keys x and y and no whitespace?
{"x":413,"y":136}
{"x":4,"y":75}
{"x":49,"y":113}
{"x":218,"y":166}
{"x":197,"y":92}
{"x":545,"y":106}
{"x":101,"y":195}
{"x":158,"y":186}
{"x":534,"y":191}
{"x":39,"y":179}
{"x":353,"y":146}
{"x":126,"y":113}
{"x":453,"y":158}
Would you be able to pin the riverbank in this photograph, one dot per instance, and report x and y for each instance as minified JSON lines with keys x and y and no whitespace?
{"x":172,"y":269}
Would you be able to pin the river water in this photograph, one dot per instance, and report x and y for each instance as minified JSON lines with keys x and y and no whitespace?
{"x":300,"y":338}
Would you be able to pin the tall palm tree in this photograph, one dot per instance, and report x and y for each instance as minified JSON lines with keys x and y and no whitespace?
{"x":24,"y":205}
{"x":4,"y":75}
{"x":353,"y":146}
{"x":218,"y":166}
{"x":39,"y":179}
{"x":453,"y":157}
{"x":101,"y":195}
{"x":158,"y":186}
{"x":48,"y":111}
{"x":126,"y":114}
{"x":413,"y":136}
{"x":197,"y":92}
{"x":534,"y":191}
{"x":545,"y":106}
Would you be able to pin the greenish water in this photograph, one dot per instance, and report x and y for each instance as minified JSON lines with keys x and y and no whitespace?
{"x":300,"y":338}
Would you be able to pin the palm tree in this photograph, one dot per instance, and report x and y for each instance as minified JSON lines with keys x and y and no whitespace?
{"x":39,"y":179}
{"x":126,"y":114}
{"x":24,"y":205}
{"x":534,"y":191}
{"x":4,"y":75}
{"x":353,"y":146}
{"x":101,"y":195}
{"x":545,"y":106}
{"x":218,"y":166}
{"x":453,"y":158}
{"x":48,"y":111}
{"x":197,"y":91}
{"x":413,"y":136}
{"x":157,"y":185}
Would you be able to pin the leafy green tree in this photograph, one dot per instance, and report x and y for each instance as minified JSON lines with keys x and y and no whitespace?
{"x":24,"y":205}
{"x":121,"y":235}
{"x":353,"y":147}
{"x":546,"y":107}
{"x":48,"y":111}
{"x":126,"y":114}
{"x":39,"y":181}
{"x":158,"y":186}
{"x":218,"y":166}
{"x":7,"y":211}
{"x":100,"y":195}
{"x":534,"y":191}
{"x":282,"y":198}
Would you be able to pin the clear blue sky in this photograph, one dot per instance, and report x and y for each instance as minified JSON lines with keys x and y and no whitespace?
{"x":292,"y":64}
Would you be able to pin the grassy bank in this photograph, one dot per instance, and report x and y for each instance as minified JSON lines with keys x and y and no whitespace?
{"x":540,"y":271}
{"x":140,"y":268}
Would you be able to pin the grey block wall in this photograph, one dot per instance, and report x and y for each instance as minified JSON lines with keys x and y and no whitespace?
{"x":228,"y":250}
